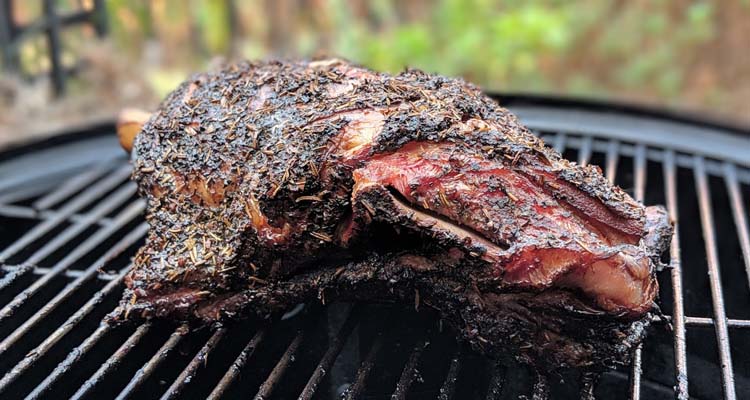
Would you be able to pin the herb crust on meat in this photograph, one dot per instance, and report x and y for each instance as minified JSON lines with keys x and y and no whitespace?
{"x":273,"y":183}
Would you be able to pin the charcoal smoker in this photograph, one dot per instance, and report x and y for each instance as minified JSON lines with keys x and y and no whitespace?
{"x":70,"y":221}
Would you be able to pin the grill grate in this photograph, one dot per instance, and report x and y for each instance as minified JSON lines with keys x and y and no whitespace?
{"x":67,"y":233}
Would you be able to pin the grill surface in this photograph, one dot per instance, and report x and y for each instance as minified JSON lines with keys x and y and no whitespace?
{"x":70,"y":221}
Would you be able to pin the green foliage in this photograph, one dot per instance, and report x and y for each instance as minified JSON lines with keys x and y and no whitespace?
{"x":163,"y":81}
{"x":651,"y":57}
{"x":583,"y":47}
{"x":212,"y":18}
{"x":478,"y":39}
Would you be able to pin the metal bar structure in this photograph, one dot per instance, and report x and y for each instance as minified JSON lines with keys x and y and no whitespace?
{"x":409,"y":373}
{"x":365,"y":369}
{"x":739,"y":213}
{"x":717,"y":293}
{"x":51,"y":23}
{"x":128,"y":215}
{"x":95,"y":211}
{"x":584,"y":153}
{"x":334,"y":348}
{"x":34,"y":356}
{"x":588,"y":385}
{"x":7,"y":33}
{"x":73,"y":357}
{"x":55,"y":46}
{"x":145,"y":372}
{"x":267,"y":387}
{"x":678,"y":317}
{"x":540,"y":389}
{"x":74,"y":205}
{"x":185,"y":376}
{"x":639,"y":193}
{"x":448,"y":390}
{"x":613,"y":156}
{"x":113,"y":361}
{"x":89,"y":274}
{"x":234,"y":370}
{"x":497,"y":380}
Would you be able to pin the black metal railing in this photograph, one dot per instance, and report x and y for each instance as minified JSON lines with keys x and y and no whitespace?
{"x":51,"y":24}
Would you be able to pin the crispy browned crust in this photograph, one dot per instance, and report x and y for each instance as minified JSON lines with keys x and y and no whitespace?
{"x":550,"y":330}
{"x":246,"y":198}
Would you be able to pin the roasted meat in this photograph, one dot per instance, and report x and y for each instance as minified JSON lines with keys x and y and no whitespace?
{"x":270,"y":184}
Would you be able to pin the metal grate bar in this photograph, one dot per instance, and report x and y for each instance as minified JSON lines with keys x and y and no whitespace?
{"x":127,"y":241}
{"x":734,"y":176}
{"x":34,"y":355}
{"x":55,"y":46}
{"x":70,"y":186}
{"x":678,"y":319}
{"x":497,"y":380}
{"x":113,"y":201}
{"x":67,"y":18}
{"x":409,"y":372}
{"x":14,"y":274}
{"x":559,"y":144}
{"x":74,"y":205}
{"x":612,"y":158}
{"x":639,"y":173}
{"x":588,"y":385}
{"x":69,"y":361}
{"x":127,"y":215}
{"x":355,"y":390}
{"x":69,"y":273}
{"x":234,"y":370}
{"x":636,"y":372}
{"x":639,"y":192}
{"x":50,"y":24}
{"x":703,"y":321}
{"x":738,"y":210}
{"x":334,"y":348}
{"x":584,"y":152}
{"x":448,"y":390}
{"x":540,"y":390}
{"x":717,"y":295}
{"x":144,"y":372}
{"x":84,"y":248}
{"x":268,"y":386}
{"x":113,"y":362}
{"x":185,"y":376}
{"x":712,"y":167}
{"x":22,"y":193}
{"x":664,"y":390}
{"x":23,"y":190}
{"x":15,"y":211}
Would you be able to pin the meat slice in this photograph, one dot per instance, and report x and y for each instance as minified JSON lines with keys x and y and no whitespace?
{"x":535,"y":240}
{"x":273,"y":183}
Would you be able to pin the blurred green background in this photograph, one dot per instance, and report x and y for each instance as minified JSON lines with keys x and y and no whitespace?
{"x":690,"y":55}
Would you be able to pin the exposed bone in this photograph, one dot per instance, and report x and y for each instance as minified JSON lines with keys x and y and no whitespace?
{"x":129,"y":123}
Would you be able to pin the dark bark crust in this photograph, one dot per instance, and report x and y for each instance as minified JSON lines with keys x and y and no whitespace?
{"x":549,"y":330}
{"x":246,"y":198}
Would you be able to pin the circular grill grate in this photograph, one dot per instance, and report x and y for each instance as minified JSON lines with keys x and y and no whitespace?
{"x":70,"y":221}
